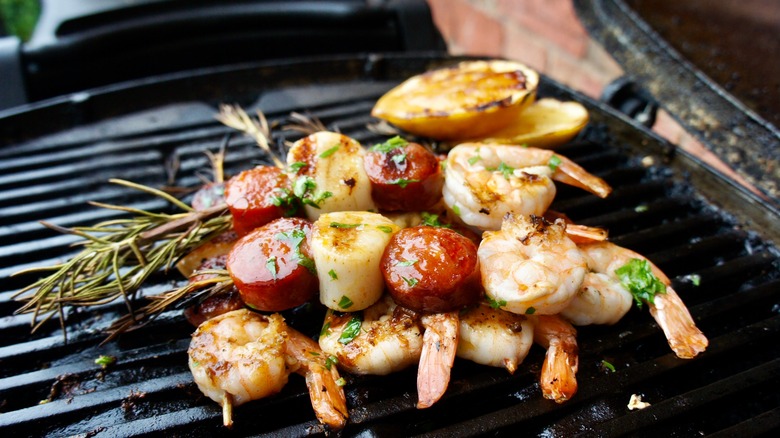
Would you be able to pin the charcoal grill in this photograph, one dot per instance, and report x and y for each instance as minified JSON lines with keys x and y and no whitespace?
{"x":667,"y":205}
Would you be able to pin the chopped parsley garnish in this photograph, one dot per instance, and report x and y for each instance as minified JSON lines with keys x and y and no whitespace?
{"x":330,"y":361}
{"x":554,"y":162}
{"x":270,"y":264}
{"x":403,"y":182}
{"x":473,"y":160}
{"x":285,"y":199}
{"x":351,"y":331}
{"x":329,"y":152}
{"x":314,"y":353}
{"x":456,"y":209}
{"x":410,"y":281}
{"x":695,"y":279}
{"x":325,"y":330}
{"x":530,"y":311}
{"x":496,"y":304}
{"x":296,"y":238}
{"x":393,"y":143}
{"x":385,"y":228}
{"x":506,"y":170}
{"x":296,"y":166}
{"x":345,"y":302}
{"x":304,"y":189}
{"x":333,"y":274}
{"x":341,"y":225}
{"x":398,"y":158}
{"x":638,"y":278}
{"x":608,"y":365}
{"x":341,"y":382}
{"x":432,"y":220}
{"x":104,"y":361}
{"x":407,"y":263}
{"x":640,"y":208}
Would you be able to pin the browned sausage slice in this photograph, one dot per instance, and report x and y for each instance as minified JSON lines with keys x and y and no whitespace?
{"x":431,"y":269}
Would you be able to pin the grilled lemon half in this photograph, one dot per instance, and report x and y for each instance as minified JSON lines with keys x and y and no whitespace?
{"x":469,"y":100}
{"x":547,"y":123}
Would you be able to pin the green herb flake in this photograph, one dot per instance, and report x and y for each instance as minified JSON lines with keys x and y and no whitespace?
{"x":608,"y":365}
{"x":407,"y":263}
{"x":385,"y":228}
{"x":303,"y":185}
{"x":104,"y":361}
{"x":329,"y":152}
{"x":473,"y":160}
{"x":530,"y":311}
{"x":641,"y":208}
{"x":343,"y":226}
{"x":330,"y":361}
{"x":456,"y":209}
{"x":345,"y":302}
{"x":432,"y":220}
{"x":403,"y":182}
{"x":314,"y":353}
{"x":695,"y":279}
{"x":398,"y":158}
{"x":296,"y":167}
{"x":505,"y":170}
{"x":333,"y":275}
{"x":411,"y":281}
{"x":496,"y":304}
{"x":393,"y":143}
{"x":554,"y":162}
{"x":270,"y":264}
{"x":325,"y":330}
{"x":341,"y":382}
{"x":638,"y":278}
{"x":351,"y":331}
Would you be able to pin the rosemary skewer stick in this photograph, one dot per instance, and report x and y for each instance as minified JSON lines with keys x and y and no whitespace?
{"x":119,"y":255}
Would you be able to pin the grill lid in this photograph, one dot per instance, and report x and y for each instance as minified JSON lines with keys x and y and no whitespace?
{"x":682,"y":216}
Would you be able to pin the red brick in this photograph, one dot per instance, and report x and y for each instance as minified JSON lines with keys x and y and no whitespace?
{"x":521,"y":46}
{"x":476,"y":33}
{"x":553,"y":20}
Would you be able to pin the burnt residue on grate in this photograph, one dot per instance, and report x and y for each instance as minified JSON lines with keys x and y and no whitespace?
{"x":726,"y":271}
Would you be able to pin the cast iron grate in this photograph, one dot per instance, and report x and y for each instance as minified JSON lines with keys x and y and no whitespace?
{"x":732,"y":389}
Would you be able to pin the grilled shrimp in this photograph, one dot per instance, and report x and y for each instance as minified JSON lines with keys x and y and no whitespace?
{"x":241,"y":356}
{"x":494,"y":337}
{"x":600,"y":300}
{"x":380,"y":340}
{"x":558,"y":378}
{"x":330,"y":175}
{"x":530,"y":265}
{"x":668,"y":310}
{"x":484,"y":182}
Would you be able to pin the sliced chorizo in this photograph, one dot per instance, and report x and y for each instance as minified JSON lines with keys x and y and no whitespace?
{"x":272,"y":266}
{"x":255,"y":197}
{"x":404,"y":176}
{"x":431,"y":269}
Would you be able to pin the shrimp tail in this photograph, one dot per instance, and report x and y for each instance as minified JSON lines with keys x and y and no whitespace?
{"x":558,"y":379}
{"x":569,"y":172}
{"x":440,"y":343}
{"x":579,"y":234}
{"x":227,"y":410}
{"x":327,"y":397}
{"x":685,"y":339}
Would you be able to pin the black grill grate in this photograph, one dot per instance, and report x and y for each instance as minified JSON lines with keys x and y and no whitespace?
{"x":732,"y":389}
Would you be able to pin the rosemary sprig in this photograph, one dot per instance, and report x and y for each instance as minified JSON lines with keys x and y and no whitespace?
{"x":306,"y":124}
{"x":218,"y":281}
{"x":118,"y":256}
{"x":235,"y":117}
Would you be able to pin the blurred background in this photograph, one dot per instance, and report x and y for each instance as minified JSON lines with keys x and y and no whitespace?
{"x":545,"y":34}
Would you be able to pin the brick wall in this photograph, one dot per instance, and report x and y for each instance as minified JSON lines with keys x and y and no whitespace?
{"x":547,"y":36}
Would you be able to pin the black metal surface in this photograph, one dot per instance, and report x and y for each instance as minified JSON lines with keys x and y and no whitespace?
{"x":665,"y":205}
{"x":82,"y":44}
{"x":738,"y":135}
